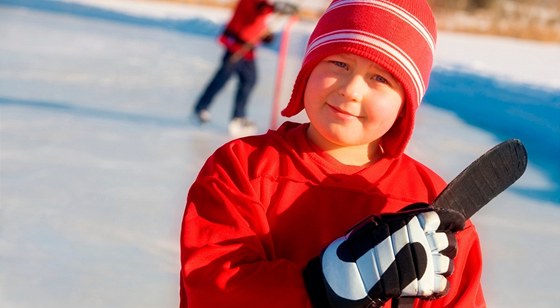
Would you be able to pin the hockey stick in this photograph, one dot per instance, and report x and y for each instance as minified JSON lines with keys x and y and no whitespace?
{"x":485,"y":178}
{"x":282,"y":54}
{"x":480,"y":182}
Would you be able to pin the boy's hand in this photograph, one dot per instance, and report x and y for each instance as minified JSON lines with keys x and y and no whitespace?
{"x":405,"y":254}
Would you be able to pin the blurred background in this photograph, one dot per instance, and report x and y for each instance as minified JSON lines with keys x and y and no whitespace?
{"x":528,"y":19}
{"x":97,"y":152}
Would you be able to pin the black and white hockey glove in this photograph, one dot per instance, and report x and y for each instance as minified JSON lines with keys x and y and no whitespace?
{"x":405,"y":254}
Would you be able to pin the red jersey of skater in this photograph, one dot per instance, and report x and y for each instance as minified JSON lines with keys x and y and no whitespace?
{"x":247,"y":25}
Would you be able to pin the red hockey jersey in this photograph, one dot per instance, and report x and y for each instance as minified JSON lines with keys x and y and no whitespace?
{"x":247,"y":26}
{"x":263,"y":206}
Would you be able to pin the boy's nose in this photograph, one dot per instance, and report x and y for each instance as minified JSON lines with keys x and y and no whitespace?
{"x":352,"y":88}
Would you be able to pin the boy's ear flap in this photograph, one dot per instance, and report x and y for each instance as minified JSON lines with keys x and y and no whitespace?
{"x":402,"y":110}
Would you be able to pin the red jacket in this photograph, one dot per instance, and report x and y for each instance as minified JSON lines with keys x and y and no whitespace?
{"x":247,"y":26}
{"x":263,"y":206}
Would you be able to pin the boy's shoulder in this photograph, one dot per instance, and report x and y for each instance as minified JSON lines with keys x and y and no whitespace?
{"x":284,"y":141}
{"x":423,"y":171}
{"x":259,"y":155}
{"x":286,"y":136}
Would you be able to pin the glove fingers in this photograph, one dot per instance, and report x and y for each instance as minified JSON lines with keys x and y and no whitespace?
{"x":444,"y":243}
{"x":450,"y":220}
{"x":440,"y":238}
{"x":451,"y":249}
{"x":442,"y":265}
{"x":438,"y":241}
{"x":441,"y":286}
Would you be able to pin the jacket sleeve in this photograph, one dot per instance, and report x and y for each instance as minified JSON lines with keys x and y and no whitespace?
{"x":227,"y":254}
{"x":465,"y":287}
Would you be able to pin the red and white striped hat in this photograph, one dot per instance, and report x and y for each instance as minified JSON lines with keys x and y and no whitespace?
{"x":399,"y":35}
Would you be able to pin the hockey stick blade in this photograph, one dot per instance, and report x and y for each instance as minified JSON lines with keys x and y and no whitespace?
{"x":485,"y":178}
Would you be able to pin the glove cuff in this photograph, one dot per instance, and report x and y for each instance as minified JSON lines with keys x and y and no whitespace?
{"x":315,"y":285}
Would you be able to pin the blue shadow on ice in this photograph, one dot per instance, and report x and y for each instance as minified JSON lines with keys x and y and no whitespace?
{"x":507,"y":110}
{"x":197,"y":26}
{"x":94,"y":112}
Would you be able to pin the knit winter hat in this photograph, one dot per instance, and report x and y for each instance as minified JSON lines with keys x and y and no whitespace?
{"x":399,"y":35}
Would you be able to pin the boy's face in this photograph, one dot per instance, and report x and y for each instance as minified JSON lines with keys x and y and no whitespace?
{"x":351,"y":101}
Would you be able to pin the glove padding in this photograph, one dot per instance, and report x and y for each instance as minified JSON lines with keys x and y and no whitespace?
{"x":405,"y":254}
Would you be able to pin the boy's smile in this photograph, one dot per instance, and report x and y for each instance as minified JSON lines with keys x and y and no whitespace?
{"x":342,"y":113}
{"x":351,"y":102}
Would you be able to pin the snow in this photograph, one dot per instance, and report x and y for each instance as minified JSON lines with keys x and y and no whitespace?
{"x":97,"y":153}
{"x":529,"y":62}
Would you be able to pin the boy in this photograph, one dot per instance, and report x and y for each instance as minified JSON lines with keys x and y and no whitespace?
{"x":332,"y":212}
{"x":246,"y":29}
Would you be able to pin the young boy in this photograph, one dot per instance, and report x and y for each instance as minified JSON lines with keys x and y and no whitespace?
{"x":245,"y":30}
{"x":332,"y":212}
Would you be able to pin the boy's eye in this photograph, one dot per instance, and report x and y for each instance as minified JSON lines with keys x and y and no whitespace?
{"x":339,"y":64}
{"x":380,"y":78}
